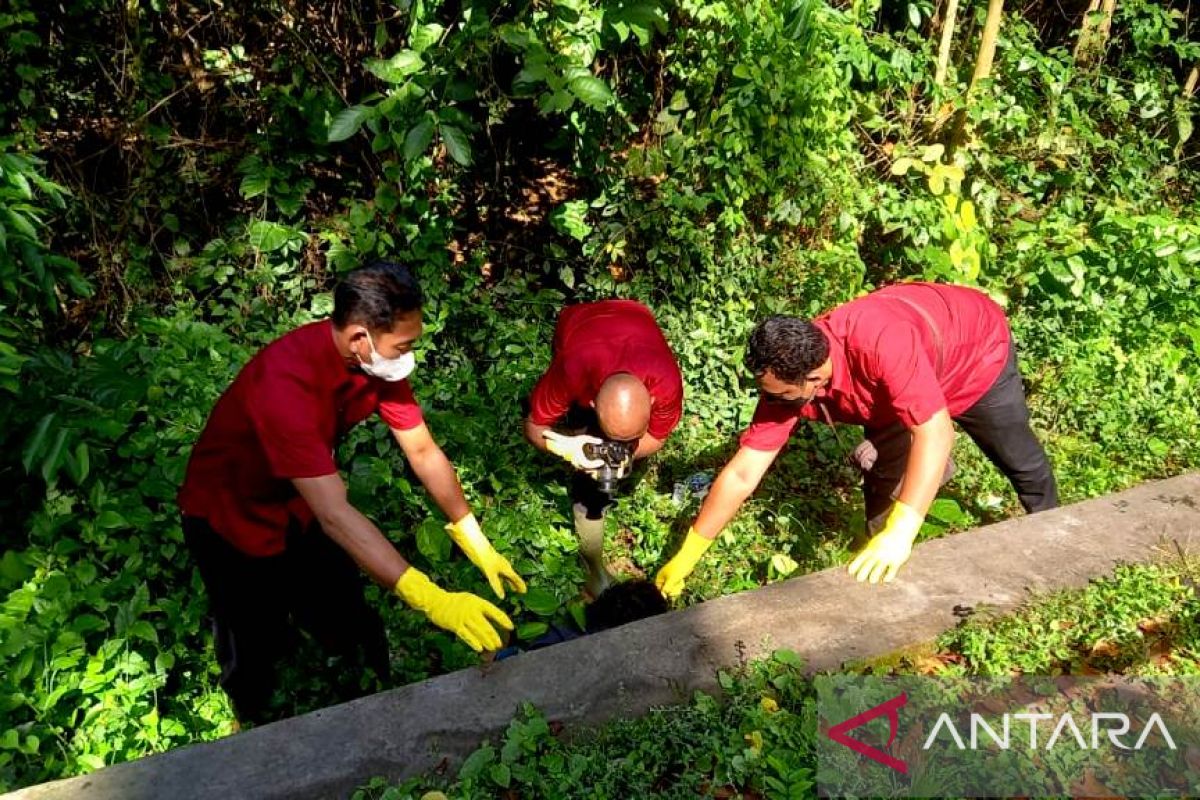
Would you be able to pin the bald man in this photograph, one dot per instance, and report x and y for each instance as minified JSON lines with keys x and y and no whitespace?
{"x":613,"y":383}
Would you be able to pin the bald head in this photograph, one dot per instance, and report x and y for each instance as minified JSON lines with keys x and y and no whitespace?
{"x":623,"y":407}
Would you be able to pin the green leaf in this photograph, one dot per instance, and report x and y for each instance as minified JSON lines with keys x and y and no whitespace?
{"x":531,"y":630}
{"x":948,"y":511}
{"x":592,"y":91}
{"x":54,"y":455}
{"x":13,"y":568}
{"x":83,"y":463}
{"x":457,"y":144}
{"x":425,"y":36}
{"x":269,"y":236}
{"x":395,"y":69}
{"x":347,"y":123}
{"x":788,"y":658}
{"x":540,"y":601}
{"x":418,"y":139}
{"x":432,"y":541}
{"x":254,"y":185}
{"x":901,"y":166}
{"x":111,"y":519}
{"x":85,"y":623}
{"x":501,"y":775}
{"x":55,"y":586}
{"x":1157,"y":447}
{"x":784,"y":564}
{"x":33,"y":447}
{"x":163,"y":662}
{"x":476,"y":762}
{"x":142,"y":629}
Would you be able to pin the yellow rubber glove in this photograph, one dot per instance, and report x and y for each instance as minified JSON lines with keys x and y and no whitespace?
{"x":462,"y":613}
{"x":469,"y":537}
{"x":570,"y":449}
{"x":671,"y":577}
{"x":889,"y":548}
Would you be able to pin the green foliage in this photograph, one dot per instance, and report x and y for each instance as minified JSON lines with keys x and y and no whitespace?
{"x":758,"y":740}
{"x":718,"y":160}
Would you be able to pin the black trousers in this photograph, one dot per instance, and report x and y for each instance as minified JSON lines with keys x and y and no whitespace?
{"x":998,"y":423}
{"x":259,"y":604}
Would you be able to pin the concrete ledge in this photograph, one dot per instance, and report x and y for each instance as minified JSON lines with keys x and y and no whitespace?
{"x":826,"y":617}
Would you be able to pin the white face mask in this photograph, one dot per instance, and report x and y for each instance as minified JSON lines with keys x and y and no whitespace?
{"x":390,"y":369}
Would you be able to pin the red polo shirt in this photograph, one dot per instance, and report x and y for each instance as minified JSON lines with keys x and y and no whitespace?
{"x":886,"y":361}
{"x":280,"y":419}
{"x":595,"y":340}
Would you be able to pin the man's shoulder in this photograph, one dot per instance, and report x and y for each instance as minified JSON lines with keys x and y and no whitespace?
{"x":299,"y":356}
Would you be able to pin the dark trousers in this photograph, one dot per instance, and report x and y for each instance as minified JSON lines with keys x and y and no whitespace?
{"x":998,"y":423}
{"x":258,"y":604}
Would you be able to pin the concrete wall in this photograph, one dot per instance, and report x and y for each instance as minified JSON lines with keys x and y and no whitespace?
{"x":826,"y":618}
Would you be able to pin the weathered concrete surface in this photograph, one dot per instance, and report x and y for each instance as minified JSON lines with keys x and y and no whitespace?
{"x":826,"y":618}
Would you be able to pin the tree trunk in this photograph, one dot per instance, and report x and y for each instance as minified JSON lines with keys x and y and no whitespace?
{"x":1093,"y":32}
{"x":943,"y":62}
{"x":1189,"y":86}
{"x":983,"y":67}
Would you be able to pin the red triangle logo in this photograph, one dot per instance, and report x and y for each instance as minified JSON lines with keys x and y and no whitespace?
{"x":892,"y":708}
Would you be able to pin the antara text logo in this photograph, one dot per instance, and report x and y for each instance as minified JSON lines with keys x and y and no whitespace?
{"x":1098,"y":729}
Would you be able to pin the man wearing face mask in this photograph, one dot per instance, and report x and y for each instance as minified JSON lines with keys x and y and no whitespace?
{"x":612,"y":377}
{"x":905,"y":362}
{"x":265,"y":512}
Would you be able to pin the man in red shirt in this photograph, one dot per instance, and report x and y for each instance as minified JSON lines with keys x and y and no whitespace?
{"x":265,"y":512}
{"x":905,"y":362}
{"x":612,"y":379}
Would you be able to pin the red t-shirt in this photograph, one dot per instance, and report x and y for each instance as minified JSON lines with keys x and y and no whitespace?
{"x":595,"y":340}
{"x":280,"y":419}
{"x":886,"y":361}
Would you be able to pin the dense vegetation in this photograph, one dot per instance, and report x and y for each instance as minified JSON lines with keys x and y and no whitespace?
{"x":759,"y":739}
{"x":182,"y":182}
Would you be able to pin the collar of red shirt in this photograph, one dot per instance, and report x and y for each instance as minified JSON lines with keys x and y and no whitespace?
{"x":331,"y":361}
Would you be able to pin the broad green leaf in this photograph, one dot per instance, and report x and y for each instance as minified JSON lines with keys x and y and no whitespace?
{"x":591,"y":91}
{"x":784,"y":564}
{"x":476,"y":762}
{"x":254,"y":185}
{"x":54,"y":455}
{"x":418,"y":139}
{"x":457,"y":144}
{"x":269,"y":236}
{"x":901,"y":166}
{"x":397,"y":68}
{"x":540,"y":601}
{"x":111,"y":519}
{"x":500,"y":774}
{"x":33,"y":448}
{"x":347,"y":123}
{"x":142,"y":629}
{"x":432,"y":540}
{"x":788,"y":658}
{"x":83,"y":462}
{"x":531,"y":630}
{"x":933,"y":152}
{"x":13,"y":568}
{"x":425,"y":36}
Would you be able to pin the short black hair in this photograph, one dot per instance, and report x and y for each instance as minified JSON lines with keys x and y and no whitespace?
{"x":624,"y":602}
{"x":375,"y":295}
{"x":789,"y":347}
